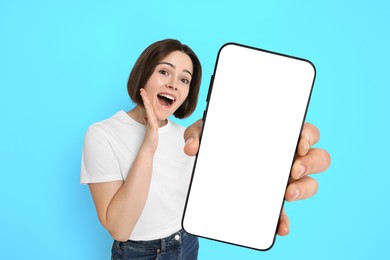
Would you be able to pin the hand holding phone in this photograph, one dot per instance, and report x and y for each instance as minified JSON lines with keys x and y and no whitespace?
{"x":256,"y":108}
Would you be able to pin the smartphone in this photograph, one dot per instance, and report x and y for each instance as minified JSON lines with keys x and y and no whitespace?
{"x":256,"y":108}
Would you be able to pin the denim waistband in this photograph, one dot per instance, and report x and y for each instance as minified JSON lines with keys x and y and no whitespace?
{"x":159,"y":244}
{"x":179,"y":245}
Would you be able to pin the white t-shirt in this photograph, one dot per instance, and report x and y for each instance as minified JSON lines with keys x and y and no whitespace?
{"x":110,"y":147}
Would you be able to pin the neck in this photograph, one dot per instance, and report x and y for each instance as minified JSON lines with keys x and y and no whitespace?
{"x":139,"y":114}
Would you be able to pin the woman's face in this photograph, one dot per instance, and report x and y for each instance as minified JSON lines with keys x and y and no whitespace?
{"x":169,"y":84}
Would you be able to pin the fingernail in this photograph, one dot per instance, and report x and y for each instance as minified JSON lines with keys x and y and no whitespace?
{"x":301,"y":170}
{"x":189,"y":140}
{"x":295,"y":194}
{"x":307,"y":147}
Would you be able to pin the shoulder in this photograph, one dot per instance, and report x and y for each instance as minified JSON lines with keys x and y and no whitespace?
{"x":101,"y":131}
{"x":110,"y":125}
{"x":98,"y":129}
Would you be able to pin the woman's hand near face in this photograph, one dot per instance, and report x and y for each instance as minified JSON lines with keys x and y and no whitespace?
{"x":307,"y":161}
{"x":151,"y":124}
{"x":120,"y":203}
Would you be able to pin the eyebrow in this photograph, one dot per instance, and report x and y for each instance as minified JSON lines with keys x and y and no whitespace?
{"x":173,"y":66}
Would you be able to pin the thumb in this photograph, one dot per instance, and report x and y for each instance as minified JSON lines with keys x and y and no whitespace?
{"x":191,"y":137}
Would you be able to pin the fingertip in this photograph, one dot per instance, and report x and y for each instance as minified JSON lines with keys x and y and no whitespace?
{"x":283,"y":225}
{"x":303,"y":145}
{"x":283,"y":229}
{"x":298,"y":170}
{"x":311,"y":133}
{"x":305,"y":148}
{"x":142,"y":93}
{"x":328,"y":159}
{"x":191,"y":137}
{"x":190,"y":146}
{"x":292,"y":193}
{"x":189,"y":150}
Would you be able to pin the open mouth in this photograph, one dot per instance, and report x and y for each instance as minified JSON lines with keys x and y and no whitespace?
{"x":166,"y":99}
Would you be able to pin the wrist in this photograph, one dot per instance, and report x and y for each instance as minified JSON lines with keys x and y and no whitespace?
{"x":148,"y":149}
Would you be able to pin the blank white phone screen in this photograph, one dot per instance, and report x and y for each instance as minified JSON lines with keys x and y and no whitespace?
{"x":256,"y":109}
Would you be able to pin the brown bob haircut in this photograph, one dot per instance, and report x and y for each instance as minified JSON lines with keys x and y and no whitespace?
{"x":146,"y":64}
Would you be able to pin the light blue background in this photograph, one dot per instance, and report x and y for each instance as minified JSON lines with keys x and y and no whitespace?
{"x":65,"y":64}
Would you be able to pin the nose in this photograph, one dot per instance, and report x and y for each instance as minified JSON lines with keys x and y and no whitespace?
{"x":171,"y":85}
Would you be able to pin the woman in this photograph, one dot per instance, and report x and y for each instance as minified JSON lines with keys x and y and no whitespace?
{"x":134,"y":162}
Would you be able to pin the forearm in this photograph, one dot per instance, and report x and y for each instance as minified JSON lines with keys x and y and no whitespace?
{"x":125,"y":208}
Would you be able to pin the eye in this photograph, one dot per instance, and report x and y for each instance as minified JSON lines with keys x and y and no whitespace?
{"x":163,"y":72}
{"x":185,"y":81}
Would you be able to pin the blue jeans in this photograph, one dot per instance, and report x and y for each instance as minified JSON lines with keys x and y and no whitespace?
{"x":178,"y":246}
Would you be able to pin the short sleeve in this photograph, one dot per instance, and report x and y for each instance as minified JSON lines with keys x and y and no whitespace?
{"x":98,"y":162}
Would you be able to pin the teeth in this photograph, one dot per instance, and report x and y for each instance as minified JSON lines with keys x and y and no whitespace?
{"x":167,"y":96}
